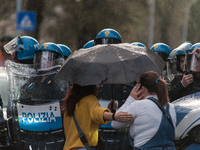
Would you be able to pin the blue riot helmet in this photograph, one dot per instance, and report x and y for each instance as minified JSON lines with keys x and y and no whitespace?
{"x":89,"y":44}
{"x":45,"y":59}
{"x":195,"y":46}
{"x":163,"y":50}
{"x":23,"y":47}
{"x":138,"y":44}
{"x":65,"y":49}
{"x":108,"y":36}
{"x":180,"y":55}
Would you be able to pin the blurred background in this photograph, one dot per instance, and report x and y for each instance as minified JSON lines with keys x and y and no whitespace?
{"x":75,"y":22}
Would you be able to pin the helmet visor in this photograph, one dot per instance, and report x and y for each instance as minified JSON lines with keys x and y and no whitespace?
{"x":107,"y":41}
{"x":194,"y":64}
{"x":13,"y":45}
{"x":171,"y":68}
{"x":187,"y":65}
{"x":163,"y":55}
{"x":45,"y":62}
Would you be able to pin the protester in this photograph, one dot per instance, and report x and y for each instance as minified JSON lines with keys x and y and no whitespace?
{"x":149,"y":128}
{"x":81,"y":101}
{"x":180,"y":55}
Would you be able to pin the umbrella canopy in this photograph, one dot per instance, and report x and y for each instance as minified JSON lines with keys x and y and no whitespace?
{"x":109,"y":64}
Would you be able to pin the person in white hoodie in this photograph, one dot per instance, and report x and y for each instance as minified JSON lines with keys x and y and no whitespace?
{"x":149,"y":129}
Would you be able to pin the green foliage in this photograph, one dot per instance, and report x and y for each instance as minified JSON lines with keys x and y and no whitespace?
{"x":75,"y":22}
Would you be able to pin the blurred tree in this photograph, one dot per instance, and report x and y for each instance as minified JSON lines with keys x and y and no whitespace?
{"x":164,"y":13}
{"x":74,"y":22}
{"x":79,"y":21}
{"x":38,"y":7}
{"x":7,"y":18}
{"x":194,"y":24}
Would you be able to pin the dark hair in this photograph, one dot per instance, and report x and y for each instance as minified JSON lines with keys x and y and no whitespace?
{"x":75,"y":94}
{"x":155,"y":84}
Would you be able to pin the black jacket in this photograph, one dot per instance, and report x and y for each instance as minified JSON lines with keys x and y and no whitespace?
{"x":35,"y":91}
{"x":177,"y":90}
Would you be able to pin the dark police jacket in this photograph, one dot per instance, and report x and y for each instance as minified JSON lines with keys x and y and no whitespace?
{"x":34,"y":91}
{"x":177,"y":90}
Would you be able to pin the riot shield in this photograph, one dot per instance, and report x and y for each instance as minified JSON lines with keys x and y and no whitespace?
{"x":34,"y":104}
{"x":187,"y":132}
{"x":112,"y":138}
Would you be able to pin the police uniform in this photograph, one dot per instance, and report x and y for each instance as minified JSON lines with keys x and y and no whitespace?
{"x":39,"y":92}
{"x":36,"y":92}
{"x":177,"y":90}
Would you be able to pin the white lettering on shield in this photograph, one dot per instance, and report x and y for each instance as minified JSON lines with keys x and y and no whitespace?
{"x":39,"y":117}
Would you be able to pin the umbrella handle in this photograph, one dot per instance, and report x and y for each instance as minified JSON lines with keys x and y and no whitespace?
{"x":112,"y":110}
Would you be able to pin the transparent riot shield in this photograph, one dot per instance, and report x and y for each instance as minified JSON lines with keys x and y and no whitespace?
{"x":34,"y":104}
{"x":112,"y":138}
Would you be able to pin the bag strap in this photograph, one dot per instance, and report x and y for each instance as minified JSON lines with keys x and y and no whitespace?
{"x":162,"y":109}
{"x":81,"y":135}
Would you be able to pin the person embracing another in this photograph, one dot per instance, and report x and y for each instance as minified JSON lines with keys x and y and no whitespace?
{"x":82,"y":102}
{"x":154,"y":118}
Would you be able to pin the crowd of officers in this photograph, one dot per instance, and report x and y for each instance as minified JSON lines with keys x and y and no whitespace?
{"x":181,"y":72}
{"x":177,"y":72}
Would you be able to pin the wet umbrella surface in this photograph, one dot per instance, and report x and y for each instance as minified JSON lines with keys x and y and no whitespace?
{"x":109,"y":64}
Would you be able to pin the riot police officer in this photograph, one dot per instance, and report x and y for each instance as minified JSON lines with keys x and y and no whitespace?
{"x":179,"y":86}
{"x":66,"y":50}
{"x":162,"y":49}
{"x":108,"y":36}
{"x":89,"y":44}
{"x":171,"y":66}
{"x":43,"y":86}
{"x":22,"y":48}
{"x":113,"y":139}
{"x":60,"y":61}
{"x":138,"y":44}
{"x":36,"y":110}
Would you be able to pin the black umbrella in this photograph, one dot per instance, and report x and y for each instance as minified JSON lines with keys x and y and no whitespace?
{"x":109,"y":64}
